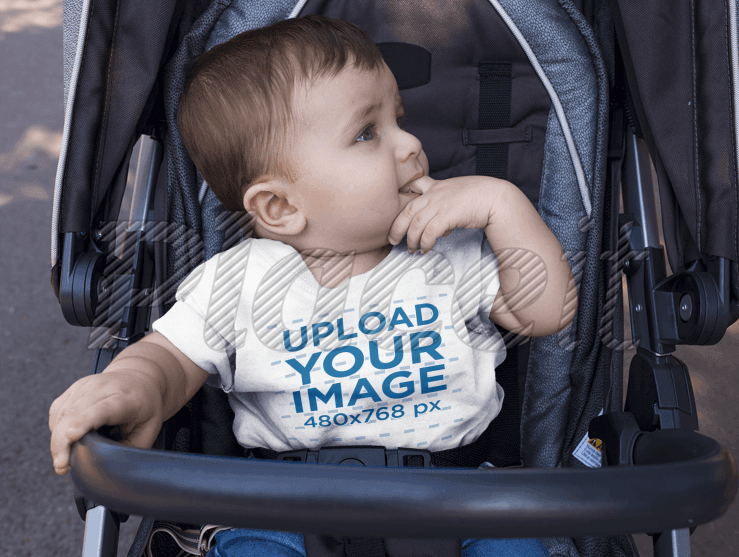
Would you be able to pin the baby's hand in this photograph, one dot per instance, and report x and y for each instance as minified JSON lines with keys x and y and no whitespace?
{"x":464,"y":202}
{"x":130,"y":400}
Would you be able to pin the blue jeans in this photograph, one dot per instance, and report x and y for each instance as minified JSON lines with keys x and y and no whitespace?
{"x":266,"y":543}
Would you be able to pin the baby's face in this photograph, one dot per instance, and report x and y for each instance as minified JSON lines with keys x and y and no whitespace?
{"x":353,"y":161}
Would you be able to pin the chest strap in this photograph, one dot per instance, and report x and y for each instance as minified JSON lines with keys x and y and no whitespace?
{"x":469,"y":456}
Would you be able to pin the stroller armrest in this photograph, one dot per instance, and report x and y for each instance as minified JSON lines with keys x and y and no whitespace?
{"x":665,"y":490}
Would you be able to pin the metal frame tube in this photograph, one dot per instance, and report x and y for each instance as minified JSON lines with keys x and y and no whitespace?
{"x":101,"y":533}
{"x":639,"y":194}
{"x":673,"y":543}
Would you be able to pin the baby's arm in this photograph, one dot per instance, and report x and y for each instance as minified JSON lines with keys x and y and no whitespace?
{"x":146,"y":384}
{"x":510,"y":221}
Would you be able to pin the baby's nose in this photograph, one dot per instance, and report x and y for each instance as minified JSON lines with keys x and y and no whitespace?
{"x":409,"y":146}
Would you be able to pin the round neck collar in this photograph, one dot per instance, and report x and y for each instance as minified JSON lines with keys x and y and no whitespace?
{"x":275,"y":251}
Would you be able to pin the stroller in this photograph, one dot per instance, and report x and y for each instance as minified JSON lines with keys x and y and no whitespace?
{"x":566,"y":99}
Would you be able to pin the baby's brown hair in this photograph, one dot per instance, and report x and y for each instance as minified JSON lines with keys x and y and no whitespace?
{"x":236,"y":109}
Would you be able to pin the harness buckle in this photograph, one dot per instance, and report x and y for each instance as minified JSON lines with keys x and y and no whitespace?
{"x":361,"y":455}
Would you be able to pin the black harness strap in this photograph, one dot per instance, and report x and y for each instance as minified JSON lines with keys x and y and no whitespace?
{"x":364,"y":547}
{"x":494,"y":112}
{"x":500,"y":135}
{"x":261,"y":452}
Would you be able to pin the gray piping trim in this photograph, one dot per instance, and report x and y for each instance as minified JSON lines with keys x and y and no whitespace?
{"x":203,"y":191}
{"x":584,"y":192}
{"x":296,"y":10}
{"x":734,"y":39}
{"x":65,"y":136}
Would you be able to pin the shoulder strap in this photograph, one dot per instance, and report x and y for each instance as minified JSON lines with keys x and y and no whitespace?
{"x":493,"y":113}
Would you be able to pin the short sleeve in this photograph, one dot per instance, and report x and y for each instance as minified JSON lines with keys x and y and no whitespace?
{"x":476,"y":271}
{"x":185,"y":325}
{"x":490,"y":280}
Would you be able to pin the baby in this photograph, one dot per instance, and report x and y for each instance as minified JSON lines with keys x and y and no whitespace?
{"x":301,"y":124}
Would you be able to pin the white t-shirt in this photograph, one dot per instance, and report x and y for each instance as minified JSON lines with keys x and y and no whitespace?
{"x":403,"y":355}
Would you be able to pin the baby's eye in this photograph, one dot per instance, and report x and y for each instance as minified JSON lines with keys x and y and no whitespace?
{"x":401,"y":121}
{"x":367,"y":134}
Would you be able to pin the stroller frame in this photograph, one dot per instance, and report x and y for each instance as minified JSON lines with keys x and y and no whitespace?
{"x":692,"y":306}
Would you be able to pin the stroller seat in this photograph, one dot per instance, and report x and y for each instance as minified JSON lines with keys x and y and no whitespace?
{"x":514,"y":89}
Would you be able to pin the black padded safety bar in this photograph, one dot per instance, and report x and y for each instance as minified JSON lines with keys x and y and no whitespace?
{"x":667,"y":489}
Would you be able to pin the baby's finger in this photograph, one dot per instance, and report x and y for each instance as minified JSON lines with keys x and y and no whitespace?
{"x":61,"y":446}
{"x":418,"y":225}
{"x":56,"y":408}
{"x":62,"y":438}
{"x":72,"y":426}
{"x":60,"y":418}
{"x":403,"y":220}
{"x":422,"y":184}
{"x":435,"y":228}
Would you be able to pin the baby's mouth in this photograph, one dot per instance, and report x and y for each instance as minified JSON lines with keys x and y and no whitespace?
{"x":407,"y":187}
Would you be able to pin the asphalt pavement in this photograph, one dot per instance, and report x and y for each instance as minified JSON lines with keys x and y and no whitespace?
{"x":41,"y":355}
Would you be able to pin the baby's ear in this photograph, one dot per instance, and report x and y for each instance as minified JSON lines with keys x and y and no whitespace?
{"x":271,"y":201}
